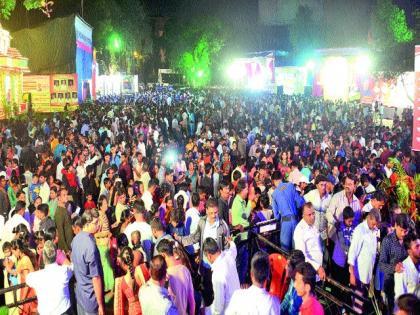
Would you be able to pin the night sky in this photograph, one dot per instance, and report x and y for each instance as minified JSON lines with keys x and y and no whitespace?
{"x":346,"y":21}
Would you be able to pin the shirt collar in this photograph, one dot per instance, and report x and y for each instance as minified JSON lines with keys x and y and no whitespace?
{"x":216,"y":223}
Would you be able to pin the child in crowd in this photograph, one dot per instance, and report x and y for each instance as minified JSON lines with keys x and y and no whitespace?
{"x":342,"y":241}
{"x":34,"y":188}
{"x":9,"y":264}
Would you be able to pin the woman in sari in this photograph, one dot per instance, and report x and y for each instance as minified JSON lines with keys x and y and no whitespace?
{"x":25,"y":264}
{"x":126,"y":301}
{"x":103,"y":242}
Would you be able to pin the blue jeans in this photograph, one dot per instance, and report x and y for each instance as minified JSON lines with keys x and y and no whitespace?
{"x":242,"y":260}
{"x":286,"y":234}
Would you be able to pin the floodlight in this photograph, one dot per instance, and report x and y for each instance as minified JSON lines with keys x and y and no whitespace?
{"x":363,"y":63}
{"x":310,"y":65}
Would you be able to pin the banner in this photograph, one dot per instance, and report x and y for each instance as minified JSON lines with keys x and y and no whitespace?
{"x":63,"y":88}
{"x":293,"y":79}
{"x":416,"y":109}
{"x":39,"y":88}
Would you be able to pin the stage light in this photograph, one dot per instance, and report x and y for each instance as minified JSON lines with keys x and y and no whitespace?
{"x":335,"y":74}
{"x":256,"y":83}
{"x":170,"y":157}
{"x":363,"y":63}
{"x":310,"y":65}
{"x":115,"y":43}
{"x":235,"y":71}
{"x":200,"y":73}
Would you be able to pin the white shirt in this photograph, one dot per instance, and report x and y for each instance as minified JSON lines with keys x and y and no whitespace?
{"x":142,"y":148}
{"x":156,"y":300}
{"x":145,"y":233}
{"x":1,"y":225}
{"x":58,"y":173}
{"x":11,"y":224}
{"x":225,"y":280}
{"x":367,"y":207}
{"x":408,"y":280}
{"x":320,"y":205}
{"x":307,"y":239}
{"x":388,"y":171}
{"x":44,"y":192}
{"x":52,"y":288}
{"x":362,"y":252}
{"x":148,"y":200}
{"x":192,"y":217}
{"x":334,"y":212}
{"x":253,"y":301}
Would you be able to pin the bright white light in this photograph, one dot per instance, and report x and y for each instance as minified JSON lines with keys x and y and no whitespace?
{"x":310,"y":65}
{"x":235,"y":71}
{"x":200,"y":73}
{"x":256,"y":83}
{"x":170,"y":157}
{"x":335,"y":74}
{"x":363,"y":63}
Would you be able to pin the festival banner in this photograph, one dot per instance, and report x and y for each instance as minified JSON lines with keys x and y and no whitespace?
{"x":416,"y":109}
{"x":38,"y":86}
{"x":63,"y":89}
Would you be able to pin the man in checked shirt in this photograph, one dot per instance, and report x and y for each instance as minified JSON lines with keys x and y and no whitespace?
{"x":392,"y":254}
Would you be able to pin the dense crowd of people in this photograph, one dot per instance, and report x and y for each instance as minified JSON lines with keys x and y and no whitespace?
{"x":146,"y":205}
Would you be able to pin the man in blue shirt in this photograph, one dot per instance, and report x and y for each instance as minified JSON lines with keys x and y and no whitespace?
{"x":87,"y":267}
{"x":286,"y":202}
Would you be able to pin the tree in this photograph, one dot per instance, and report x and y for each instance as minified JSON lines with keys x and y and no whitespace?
{"x":122,"y":34}
{"x":194,"y":47}
{"x":392,"y":39}
{"x":7,"y":6}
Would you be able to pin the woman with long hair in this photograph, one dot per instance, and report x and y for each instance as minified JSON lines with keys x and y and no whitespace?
{"x":126,"y":301}
{"x":103,"y":236}
{"x":26,"y":261}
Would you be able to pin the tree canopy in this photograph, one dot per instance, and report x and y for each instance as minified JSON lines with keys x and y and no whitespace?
{"x":193,"y":48}
{"x":392,"y":39}
{"x":7,"y":6}
{"x":122,"y":34}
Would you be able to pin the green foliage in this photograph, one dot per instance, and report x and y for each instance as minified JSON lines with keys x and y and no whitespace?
{"x":124,"y":21}
{"x":392,"y":38}
{"x":399,"y":27}
{"x":7,"y":6}
{"x":194,"y":47}
{"x":417,"y":182}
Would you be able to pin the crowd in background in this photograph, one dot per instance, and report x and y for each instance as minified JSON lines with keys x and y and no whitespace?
{"x":144,"y":204}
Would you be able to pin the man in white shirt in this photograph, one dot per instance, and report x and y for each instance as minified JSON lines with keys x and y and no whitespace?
{"x":51,"y":283}
{"x":148,"y":194}
{"x":295,"y":174}
{"x":225,"y":277}
{"x":154,"y":297}
{"x":83,"y":164}
{"x":307,"y":239}
{"x":362,"y":251}
{"x":14,"y":221}
{"x":320,"y":200}
{"x":192,"y":217}
{"x":408,"y":281}
{"x":377,"y":201}
{"x":341,"y":200}
{"x":255,"y":300}
{"x":44,"y":190}
{"x":140,"y":224}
